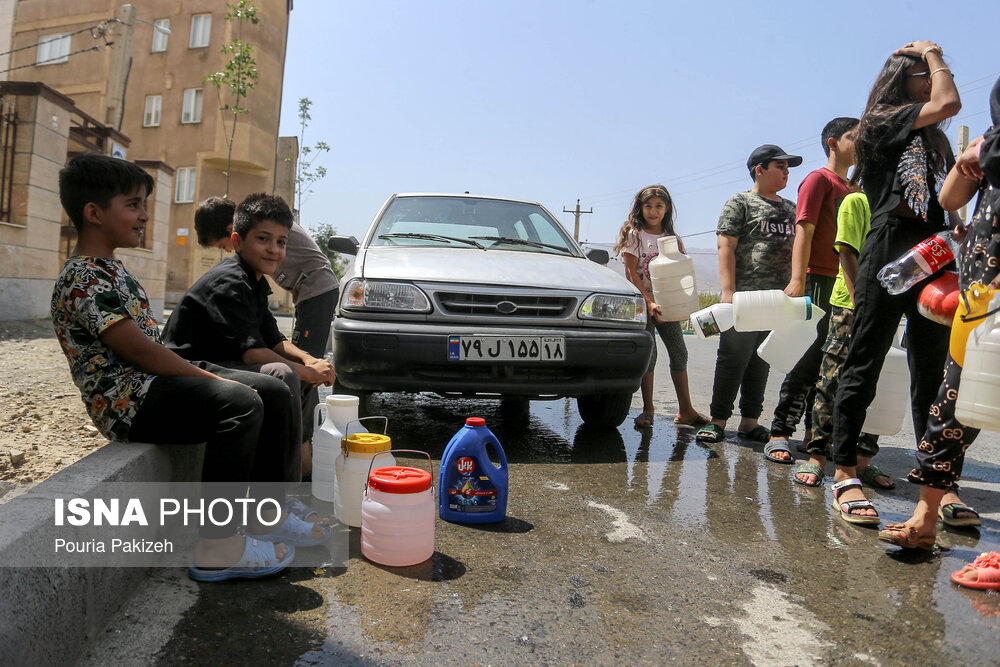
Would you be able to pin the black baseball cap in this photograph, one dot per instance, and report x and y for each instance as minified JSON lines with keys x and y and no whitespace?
{"x":767,"y":152}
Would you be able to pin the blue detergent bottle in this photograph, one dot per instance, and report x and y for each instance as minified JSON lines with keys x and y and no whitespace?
{"x":471,"y":489}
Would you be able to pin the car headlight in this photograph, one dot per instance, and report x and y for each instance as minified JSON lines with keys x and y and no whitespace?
{"x":379,"y":295}
{"x":614,"y":307}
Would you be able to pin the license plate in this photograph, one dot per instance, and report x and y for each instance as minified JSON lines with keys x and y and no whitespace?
{"x":506,"y":348}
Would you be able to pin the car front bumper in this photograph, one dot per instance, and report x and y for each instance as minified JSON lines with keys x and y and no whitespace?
{"x":393,"y":356}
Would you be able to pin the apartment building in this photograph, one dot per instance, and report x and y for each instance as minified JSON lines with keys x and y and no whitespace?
{"x":144,"y":77}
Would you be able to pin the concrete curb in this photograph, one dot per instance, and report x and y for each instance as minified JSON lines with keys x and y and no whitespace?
{"x":51,"y":615}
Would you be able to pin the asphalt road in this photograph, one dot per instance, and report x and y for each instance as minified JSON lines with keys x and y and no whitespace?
{"x":620,"y":547}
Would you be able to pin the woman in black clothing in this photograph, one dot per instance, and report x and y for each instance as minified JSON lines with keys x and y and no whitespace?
{"x":941,"y":451}
{"x":902,"y":159}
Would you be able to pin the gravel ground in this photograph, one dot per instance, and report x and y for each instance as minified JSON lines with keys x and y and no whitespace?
{"x":42,"y":418}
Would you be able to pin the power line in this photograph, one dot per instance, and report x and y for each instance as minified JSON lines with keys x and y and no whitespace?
{"x":96,"y":30}
{"x":95,"y":47}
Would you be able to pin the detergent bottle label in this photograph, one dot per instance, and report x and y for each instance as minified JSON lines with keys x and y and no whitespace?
{"x":471,"y":491}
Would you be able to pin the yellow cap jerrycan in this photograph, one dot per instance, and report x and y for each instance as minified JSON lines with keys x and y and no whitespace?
{"x":972,"y":310}
{"x":978,"y":401}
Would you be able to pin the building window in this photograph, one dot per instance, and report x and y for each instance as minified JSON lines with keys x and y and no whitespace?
{"x":160,"y":38}
{"x":191,"y":112}
{"x":201,"y":26}
{"x":154,"y":104}
{"x":53,"y":49}
{"x":185,"y":185}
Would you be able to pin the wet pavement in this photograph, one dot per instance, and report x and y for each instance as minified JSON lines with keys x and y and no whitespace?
{"x":620,"y":546}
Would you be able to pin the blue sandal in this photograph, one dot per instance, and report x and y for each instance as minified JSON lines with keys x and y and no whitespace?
{"x":295,"y":532}
{"x":301,"y":510}
{"x":258,"y":560}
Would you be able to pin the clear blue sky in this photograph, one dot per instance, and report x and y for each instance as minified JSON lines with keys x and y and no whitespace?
{"x":557,"y":100}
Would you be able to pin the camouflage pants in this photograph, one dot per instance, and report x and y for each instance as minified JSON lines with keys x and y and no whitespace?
{"x":834,"y":353}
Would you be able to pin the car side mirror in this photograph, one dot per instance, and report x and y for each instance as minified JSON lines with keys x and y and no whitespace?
{"x":347,"y":245}
{"x":598,"y":255}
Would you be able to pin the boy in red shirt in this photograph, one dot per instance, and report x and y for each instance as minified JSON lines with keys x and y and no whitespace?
{"x":814,"y":271}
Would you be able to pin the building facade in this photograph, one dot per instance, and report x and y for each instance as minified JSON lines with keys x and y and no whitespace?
{"x":141,"y":70}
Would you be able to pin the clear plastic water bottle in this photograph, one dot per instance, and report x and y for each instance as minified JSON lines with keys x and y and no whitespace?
{"x":920,"y":261}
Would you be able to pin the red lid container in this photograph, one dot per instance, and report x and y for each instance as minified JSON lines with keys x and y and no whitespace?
{"x":475,"y":421}
{"x":399,"y":479}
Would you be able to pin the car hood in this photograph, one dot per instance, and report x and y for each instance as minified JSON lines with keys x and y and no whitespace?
{"x":496,"y":267}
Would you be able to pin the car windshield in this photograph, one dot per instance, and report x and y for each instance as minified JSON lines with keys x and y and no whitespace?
{"x":469,"y":222}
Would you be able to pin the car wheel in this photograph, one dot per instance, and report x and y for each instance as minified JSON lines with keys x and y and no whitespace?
{"x":604,"y":409}
{"x":361,"y":394}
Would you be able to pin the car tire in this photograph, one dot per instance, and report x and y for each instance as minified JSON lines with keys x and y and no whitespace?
{"x":608,"y":410}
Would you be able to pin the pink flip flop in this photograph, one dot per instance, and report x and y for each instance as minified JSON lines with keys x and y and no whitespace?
{"x":987,"y":567}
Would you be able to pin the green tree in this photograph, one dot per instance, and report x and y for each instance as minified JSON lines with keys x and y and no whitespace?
{"x":238,"y":77}
{"x":305,"y":175}
{"x":321,"y":233}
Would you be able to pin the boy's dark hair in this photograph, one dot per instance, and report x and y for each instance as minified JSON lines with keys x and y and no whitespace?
{"x":212,"y":219}
{"x":96,"y":178}
{"x":835,"y":129}
{"x":258,"y":207}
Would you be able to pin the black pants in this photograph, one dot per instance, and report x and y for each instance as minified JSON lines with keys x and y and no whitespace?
{"x":876,"y":317}
{"x":243,"y":423}
{"x":799,"y":387}
{"x":313,"y":318}
{"x":738,"y":368}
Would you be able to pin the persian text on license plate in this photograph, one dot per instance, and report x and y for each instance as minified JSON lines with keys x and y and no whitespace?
{"x":506,"y":348}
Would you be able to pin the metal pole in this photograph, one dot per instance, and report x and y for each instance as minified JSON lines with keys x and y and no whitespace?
{"x":121,"y":63}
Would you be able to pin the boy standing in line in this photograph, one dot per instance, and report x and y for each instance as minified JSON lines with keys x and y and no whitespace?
{"x":814,"y":271}
{"x":134,"y":388}
{"x":755,"y":235}
{"x":224,"y":317}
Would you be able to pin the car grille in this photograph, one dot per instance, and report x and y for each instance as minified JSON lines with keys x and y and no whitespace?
{"x":505,"y":305}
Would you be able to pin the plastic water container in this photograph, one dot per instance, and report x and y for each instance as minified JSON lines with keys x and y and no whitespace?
{"x":766,"y":310}
{"x":978,"y":403}
{"x":672,"y":275}
{"x":470,"y":488}
{"x":939,"y":299}
{"x":784,"y":346}
{"x":397,"y":515}
{"x":713,"y":320}
{"x":330,"y":419}
{"x":892,"y":396}
{"x":355,"y":461}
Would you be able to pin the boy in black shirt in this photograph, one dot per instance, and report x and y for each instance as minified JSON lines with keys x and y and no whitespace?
{"x":224,"y":317}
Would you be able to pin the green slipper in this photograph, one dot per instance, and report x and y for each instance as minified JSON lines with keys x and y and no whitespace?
{"x":757,"y":434}
{"x":869,"y":474}
{"x":808,"y":468}
{"x":948,"y":512}
{"x":710,"y":433}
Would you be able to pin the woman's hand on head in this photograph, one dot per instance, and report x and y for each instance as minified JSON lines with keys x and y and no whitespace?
{"x":917,"y":49}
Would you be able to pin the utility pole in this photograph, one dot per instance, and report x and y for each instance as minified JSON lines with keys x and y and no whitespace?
{"x":577,"y":213}
{"x":121,"y":63}
{"x":963,"y":143}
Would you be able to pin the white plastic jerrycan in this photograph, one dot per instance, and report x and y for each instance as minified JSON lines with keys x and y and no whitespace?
{"x":784,"y":346}
{"x":331,"y":419}
{"x":978,"y":403}
{"x":397,"y":514}
{"x":713,"y":320}
{"x":672,"y":275}
{"x":354,"y":462}
{"x":891,"y":404}
{"x":766,"y":310}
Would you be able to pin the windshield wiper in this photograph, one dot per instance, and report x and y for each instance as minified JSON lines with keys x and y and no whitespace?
{"x":533,"y":244}
{"x":430,"y":237}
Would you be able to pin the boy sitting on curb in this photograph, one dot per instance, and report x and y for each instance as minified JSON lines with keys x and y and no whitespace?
{"x":134,"y":387}
{"x":224,"y":317}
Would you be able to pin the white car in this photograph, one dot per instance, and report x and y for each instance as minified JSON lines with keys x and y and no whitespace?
{"x":481,"y":296}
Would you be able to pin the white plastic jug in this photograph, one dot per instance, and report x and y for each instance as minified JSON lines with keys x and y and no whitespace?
{"x":784,"y":346}
{"x":712,"y":320}
{"x":892,"y":396}
{"x":672,"y":276}
{"x":397,"y":515}
{"x":766,"y":310}
{"x":330,"y":419}
{"x":353,"y":464}
{"x":978,"y":403}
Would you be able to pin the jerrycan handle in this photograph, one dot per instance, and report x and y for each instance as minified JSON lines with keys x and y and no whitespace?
{"x":317,"y":419}
{"x":360,"y":420}
{"x":408,"y":451}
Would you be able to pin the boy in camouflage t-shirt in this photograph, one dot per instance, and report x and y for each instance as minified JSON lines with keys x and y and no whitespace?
{"x":755,"y":234}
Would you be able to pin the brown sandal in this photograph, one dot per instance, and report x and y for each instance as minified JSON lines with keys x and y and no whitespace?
{"x":905,"y":536}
